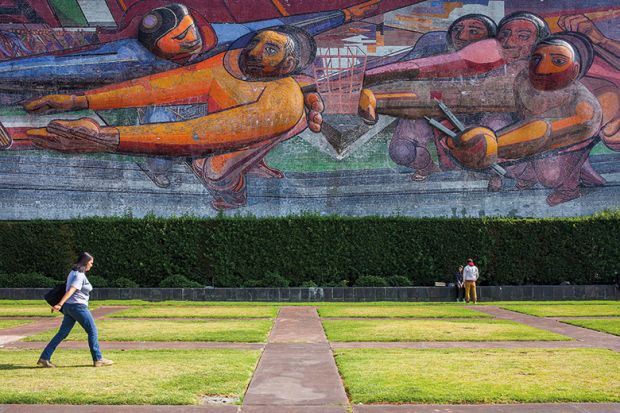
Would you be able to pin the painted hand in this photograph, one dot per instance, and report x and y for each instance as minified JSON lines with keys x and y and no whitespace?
{"x":314,"y":105}
{"x":367,"y":107}
{"x":55,"y":103}
{"x":580,"y":23}
{"x":475,"y":148}
{"x":75,"y":136}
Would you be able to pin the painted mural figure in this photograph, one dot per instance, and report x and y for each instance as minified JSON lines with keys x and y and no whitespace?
{"x":558,"y":113}
{"x":408,"y":146}
{"x":516,"y":34}
{"x":167,"y":38}
{"x":249,"y":88}
{"x":558,"y":171}
{"x":603,"y":78}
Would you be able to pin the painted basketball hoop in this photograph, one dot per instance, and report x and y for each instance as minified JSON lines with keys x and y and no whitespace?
{"x":339,"y":74}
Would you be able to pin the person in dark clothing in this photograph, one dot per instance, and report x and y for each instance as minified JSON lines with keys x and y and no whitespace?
{"x":459,"y":285}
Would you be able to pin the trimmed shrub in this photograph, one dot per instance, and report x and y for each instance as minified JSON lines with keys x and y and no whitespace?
{"x":27,"y":280}
{"x":97,"y":281}
{"x":123,"y":282}
{"x":398,"y":281}
{"x":271,"y":279}
{"x":371,"y":281}
{"x":325,"y":250}
{"x":179,"y":281}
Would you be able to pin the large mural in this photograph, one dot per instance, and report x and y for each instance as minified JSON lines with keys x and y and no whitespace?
{"x":271,"y":107}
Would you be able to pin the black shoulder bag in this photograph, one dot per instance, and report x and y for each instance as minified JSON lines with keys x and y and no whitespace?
{"x":54,"y":295}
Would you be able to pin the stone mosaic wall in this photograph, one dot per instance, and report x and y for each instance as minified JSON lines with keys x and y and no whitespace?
{"x":270,"y":107}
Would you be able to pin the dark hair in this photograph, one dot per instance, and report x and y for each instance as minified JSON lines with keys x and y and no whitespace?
{"x":83,"y":259}
{"x":579,"y":43}
{"x":542,"y":28}
{"x":304,"y":46}
{"x":486,"y":20}
{"x":470,"y":260}
{"x":158,"y":22}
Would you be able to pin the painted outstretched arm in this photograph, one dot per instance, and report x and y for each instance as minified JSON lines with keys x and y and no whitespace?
{"x":110,"y":63}
{"x":479,"y":147}
{"x":217,"y":132}
{"x":416,"y":99}
{"x":474,"y":59}
{"x":149,"y":90}
{"x":607,"y":48}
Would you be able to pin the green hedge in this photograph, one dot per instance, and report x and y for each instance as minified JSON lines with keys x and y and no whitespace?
{"x":323,"y":251}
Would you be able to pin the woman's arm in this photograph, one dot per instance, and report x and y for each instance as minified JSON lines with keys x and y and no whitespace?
{"x":64,"y":299}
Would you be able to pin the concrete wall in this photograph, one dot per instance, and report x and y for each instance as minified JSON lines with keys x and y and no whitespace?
{"x":335,"y":294}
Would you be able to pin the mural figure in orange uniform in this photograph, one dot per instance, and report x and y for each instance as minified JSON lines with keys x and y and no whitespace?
{"x":558,"y":115}
{"x":254,"y":104}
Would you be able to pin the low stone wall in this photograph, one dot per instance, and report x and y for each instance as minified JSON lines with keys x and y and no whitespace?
{"x":485,"y":293}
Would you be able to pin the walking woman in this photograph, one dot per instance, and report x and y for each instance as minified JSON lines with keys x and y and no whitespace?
{"x":74,"y":306}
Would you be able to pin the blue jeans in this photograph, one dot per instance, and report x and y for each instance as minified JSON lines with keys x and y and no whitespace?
{"x":73,"y":313}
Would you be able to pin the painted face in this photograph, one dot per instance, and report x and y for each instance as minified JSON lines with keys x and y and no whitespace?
{"x":182,"y":41}
{"x":517,"y":38}
{"x":553,"y":67}
{"x":266,"y":55}
{"x":468,"y":31}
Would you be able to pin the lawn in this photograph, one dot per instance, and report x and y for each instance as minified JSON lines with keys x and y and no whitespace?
{"x":12,"y":323}
{"x":611,"y":326}
{"x":247,"y":331}
{"x":430,"y":311}
{"x":137,"y":377}
{"x":21,"y":302}
{"x":196,"y":312}
{"x":567,"y":310}
{"x":480,"y":375}
{"x":27,"y":311}
{"x":433,"y":330}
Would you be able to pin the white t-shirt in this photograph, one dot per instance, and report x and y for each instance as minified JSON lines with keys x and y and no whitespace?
{"x":470,"y":273}
{"x":78,"y":280}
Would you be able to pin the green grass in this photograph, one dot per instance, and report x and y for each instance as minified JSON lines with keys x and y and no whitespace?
{"x":137,"y":377}
{"x":480,"y":375}
{"x":567,"y":310}
{"x":247,"y":331}
{"x":27,"y":311}
{"x":22,"y":302}
{"x":197,"y":312}
{"x":434,"y":330}
{"x":611,"y":326}
{"x":12,"y":323}
{"x":434,"y":311}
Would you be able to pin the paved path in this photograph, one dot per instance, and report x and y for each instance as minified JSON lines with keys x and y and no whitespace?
{"x":11,"y":335}
{"x":582,"y":335}
{"x":297,"y":371}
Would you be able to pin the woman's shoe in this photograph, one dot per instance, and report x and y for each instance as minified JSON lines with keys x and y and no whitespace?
{"x":45,"y":363}
{"x":103,"y":362}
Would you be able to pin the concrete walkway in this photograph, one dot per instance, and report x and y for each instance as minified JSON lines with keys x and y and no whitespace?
{"x":297,"y":372}
{"x":11,"y":335}
{"x":582,"y":335}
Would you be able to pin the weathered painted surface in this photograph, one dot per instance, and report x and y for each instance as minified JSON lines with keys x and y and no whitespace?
{"x":382,"y":107}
